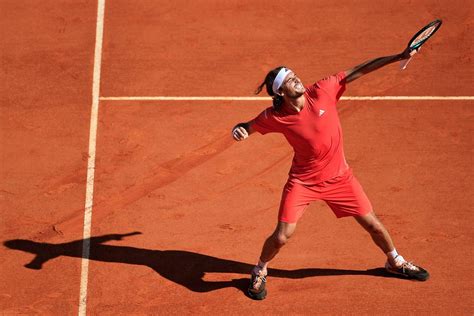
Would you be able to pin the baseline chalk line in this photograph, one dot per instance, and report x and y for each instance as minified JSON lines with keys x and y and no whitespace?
{"x":237,"y":98}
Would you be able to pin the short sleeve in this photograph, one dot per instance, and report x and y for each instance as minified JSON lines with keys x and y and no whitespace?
{"x":334,"y":85}
{"x":265,"y":122}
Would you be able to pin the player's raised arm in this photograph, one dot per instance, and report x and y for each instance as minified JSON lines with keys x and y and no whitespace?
{"x":242,"y":130}
{"x":374,"y":64}
{"x":413,"y":47}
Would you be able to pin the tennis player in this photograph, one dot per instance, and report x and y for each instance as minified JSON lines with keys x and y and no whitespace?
{"x":308,"y":118}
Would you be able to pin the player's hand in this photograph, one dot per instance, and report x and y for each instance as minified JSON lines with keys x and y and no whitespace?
{"x":239,"y":133}
{"x":407,"y":53}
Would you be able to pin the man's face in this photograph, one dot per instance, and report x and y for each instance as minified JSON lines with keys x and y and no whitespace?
{"x":292,"y":86}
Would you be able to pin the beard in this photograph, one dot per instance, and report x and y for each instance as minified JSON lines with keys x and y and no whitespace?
{"x":294,"y":94}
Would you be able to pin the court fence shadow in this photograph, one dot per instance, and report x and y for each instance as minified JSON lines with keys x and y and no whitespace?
{"x":185,"y":268}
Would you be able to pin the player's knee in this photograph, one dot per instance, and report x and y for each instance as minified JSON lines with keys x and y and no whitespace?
{"x":282,"y":233}
{"x":280,"y":240}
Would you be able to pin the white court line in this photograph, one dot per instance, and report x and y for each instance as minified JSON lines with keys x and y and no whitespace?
{"x":224,"y":98}
{"x":91,"y":160}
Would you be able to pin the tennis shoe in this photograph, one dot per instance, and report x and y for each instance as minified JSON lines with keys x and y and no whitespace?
{"x":407,"y":269}
{"x":256,"y":288}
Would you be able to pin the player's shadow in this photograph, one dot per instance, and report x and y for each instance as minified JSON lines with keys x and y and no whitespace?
{"x":182,"y":267}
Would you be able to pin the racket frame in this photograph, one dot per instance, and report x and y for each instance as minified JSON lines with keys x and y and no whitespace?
{"x":437,"y":23}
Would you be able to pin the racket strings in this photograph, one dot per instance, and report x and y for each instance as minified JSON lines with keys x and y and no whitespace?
{"x":424,"y":35}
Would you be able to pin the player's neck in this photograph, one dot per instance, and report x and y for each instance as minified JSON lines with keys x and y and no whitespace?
{"x":294,"y":104}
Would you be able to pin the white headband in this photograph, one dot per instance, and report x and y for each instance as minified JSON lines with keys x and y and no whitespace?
{"x":279,"y":79}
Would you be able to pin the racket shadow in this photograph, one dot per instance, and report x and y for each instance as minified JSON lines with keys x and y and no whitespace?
{"x":185,"y":268}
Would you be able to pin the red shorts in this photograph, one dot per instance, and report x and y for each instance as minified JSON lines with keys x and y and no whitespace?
{"x":343,"y":194}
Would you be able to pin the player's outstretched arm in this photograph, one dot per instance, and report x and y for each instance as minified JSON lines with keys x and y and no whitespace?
{"x":242,"y":130}
{"x":374,"y":64}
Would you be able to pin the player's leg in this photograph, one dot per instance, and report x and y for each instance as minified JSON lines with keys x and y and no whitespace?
{"x":274,"y":243}
{"x":395,"y":263}
{"x":377,"y":231}
{"x":346,"y":197}
{"x":295,"y":199}
{"x":270,"y":249}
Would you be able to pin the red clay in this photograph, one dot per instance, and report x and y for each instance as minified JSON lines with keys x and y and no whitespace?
{"x":203,"y":204}
{"x":46,"y":57}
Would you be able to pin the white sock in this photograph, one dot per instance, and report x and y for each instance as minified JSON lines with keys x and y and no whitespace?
{"x":260,"y":266}
{"x":396,"y":259}
{"x":392,"y":254}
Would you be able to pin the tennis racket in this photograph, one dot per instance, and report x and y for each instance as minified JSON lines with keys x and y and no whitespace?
{"x":420,"y":38}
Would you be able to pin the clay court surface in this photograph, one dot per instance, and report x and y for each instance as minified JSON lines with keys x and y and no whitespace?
{"x":180,"y":210}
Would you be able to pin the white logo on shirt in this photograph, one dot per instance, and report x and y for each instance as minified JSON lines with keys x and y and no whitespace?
{"x":321,"y":112}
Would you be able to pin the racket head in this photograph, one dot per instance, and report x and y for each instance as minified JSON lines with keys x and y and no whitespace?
{"x":424,"y":34}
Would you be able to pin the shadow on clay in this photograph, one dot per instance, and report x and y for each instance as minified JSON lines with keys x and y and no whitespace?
{"x":182,"y":267}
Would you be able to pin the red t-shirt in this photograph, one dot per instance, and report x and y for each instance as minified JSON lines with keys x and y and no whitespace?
{"x":314,"y":133}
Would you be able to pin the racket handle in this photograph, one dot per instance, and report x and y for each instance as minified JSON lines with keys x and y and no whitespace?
{"x":404,"y":63}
